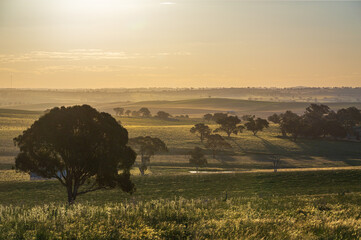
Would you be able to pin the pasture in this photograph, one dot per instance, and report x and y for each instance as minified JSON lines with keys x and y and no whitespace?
{"x":252,"y":202}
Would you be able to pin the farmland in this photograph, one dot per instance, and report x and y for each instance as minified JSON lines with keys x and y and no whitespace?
{"x":249,"y":202}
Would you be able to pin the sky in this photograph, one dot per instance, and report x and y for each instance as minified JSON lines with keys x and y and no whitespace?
{"x":180,"y":43}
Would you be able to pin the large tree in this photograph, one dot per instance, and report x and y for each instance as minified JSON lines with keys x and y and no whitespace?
{"x":202,"y":130}
{"x":229,"y":125}
{"x":146,"y":148}
{"x":81,"y":147}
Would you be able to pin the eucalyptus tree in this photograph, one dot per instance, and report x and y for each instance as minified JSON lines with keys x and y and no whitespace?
{"x":85,"y":150}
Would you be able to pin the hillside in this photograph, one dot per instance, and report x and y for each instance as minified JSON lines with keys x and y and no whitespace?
{"x":197,"y":107}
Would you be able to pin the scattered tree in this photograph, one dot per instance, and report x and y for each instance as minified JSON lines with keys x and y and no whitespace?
{"x":349,"y":118}
{"x":202,"y":129}
{"x":256,"y":125}
{"x":197,"y":158}
{"x":163,"y":115}
{"x":292,"y":123}
{"x":276,"y":161}
{"x":207,"y":117}
{"x":146,"y":148}
{"x":135,"y":114}
{"x":275,"y":118}
{"x":118,"y":111}
{"x":218,"y":116}
{"x":229,"y":125}
{"x":128,"y":112}
{"x":144,"y":112}
{"x":247,"y":117}
{"x":216,"y":142}
{"x":79,"y":146}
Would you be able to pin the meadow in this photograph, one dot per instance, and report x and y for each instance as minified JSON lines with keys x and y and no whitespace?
{"x":315,"y":195}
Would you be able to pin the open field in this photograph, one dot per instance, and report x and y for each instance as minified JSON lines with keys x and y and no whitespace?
{"x":198,"y":107}
{"x":315,"y":195}
{"x":290,"y":205}
{"x":249,"y":152}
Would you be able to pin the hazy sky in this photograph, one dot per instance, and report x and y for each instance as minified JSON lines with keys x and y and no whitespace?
{"x":184,"y":43}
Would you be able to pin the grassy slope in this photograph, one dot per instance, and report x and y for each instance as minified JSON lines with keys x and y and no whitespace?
{"x":203,"y":105}
{"x":288,"y":205}
{"x":248,"y":151}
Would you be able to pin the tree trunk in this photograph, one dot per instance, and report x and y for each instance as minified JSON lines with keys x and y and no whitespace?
{"x":70,"y":195}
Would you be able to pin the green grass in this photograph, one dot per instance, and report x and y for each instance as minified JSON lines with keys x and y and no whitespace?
{"x":20,"y":191}
{"x":171,"y":203}
{"x":248,"y":151}
{"x":308,"y":205}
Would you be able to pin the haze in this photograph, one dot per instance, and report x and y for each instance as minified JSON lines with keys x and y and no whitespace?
{"x":108,"y":43}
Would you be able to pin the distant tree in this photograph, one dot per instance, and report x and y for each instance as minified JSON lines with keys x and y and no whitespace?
{"x":146,"y":148}
{"x":256,"y":125}
{"x":314,"y":120}
{"x":207,"y":117}
{"x":216,"y":142}
{"x":197,"y":158}
{"x":163,"y":115}
{"x":135,"y":114}
{"x":202,"y":130}
{"x":292,"y":123}
{"x":276,"y":161}
{"x":349,"y":118}
{"x":118,"y":111}
{"x":218,"y":116}
{"x":275,"y":118}
{"x":128,"y":112}
{"x":144,"y":112}
{"x":229,"y":125}
{"x":247,"y":117}
{"x":79,"y":146}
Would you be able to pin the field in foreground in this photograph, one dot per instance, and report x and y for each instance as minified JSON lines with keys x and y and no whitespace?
{"x":288,"y":205}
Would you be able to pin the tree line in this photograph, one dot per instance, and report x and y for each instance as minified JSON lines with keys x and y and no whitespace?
{"x":319,"y":121}
{"x":145,"y":113}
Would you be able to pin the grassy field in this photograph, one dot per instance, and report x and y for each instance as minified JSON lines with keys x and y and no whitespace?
{"x":252,"y":202}
{"x":249,"y":152}
{"x":292,"y":205}
{"x":198,"y":107}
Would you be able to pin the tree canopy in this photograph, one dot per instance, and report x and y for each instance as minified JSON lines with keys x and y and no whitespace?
{"x":216,"y":142}
{"x":256,"y":125}
{"x":229,"y":125}
{"x":202,"y":130}
{"x":81,"y":147}
{"x":197,"y":157}
{"x":163,"y":115}
{"x":118,"y":111}
{"x":207,"y":117}
{"x":144,"y":112}
{"x":146,"y":148}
